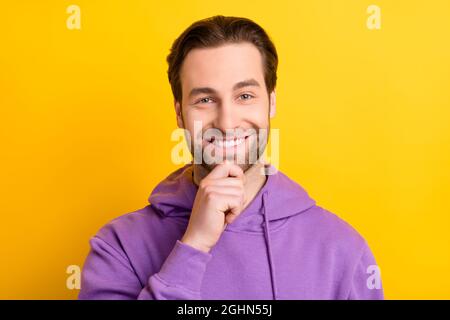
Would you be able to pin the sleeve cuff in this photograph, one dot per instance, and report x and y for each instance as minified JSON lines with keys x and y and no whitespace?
{"x":185,"y":267}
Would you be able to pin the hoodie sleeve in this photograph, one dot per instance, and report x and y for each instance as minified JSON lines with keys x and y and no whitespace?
{"x":107,"y":274}
{"x":366,"y":279}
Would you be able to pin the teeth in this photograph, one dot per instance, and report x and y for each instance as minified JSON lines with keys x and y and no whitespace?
{"x":228,"y":143}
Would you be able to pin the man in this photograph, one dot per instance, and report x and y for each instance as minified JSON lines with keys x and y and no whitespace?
{"x":220,"y":228}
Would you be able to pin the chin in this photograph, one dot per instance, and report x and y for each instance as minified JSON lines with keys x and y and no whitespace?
{"x":244,"y":166}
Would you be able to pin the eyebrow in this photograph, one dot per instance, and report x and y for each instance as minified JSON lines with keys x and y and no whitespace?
{"x":238,"y":85}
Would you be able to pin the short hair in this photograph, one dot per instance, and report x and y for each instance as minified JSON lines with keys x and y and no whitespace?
{"x":216,"y":31}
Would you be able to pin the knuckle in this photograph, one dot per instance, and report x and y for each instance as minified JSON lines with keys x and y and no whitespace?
{"x":208,"y":190}
{"x":203,"y":184}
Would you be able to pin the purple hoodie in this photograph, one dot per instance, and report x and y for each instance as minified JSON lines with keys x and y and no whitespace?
{"x":282,"y":246}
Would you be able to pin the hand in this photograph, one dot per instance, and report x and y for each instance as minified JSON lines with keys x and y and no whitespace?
{"x":219,"y":201}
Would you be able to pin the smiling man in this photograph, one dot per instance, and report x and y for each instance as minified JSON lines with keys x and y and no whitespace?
{"x":228,"y":227}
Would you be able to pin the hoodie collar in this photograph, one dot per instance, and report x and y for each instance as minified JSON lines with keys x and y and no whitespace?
{"x":175,"y":195}
{"x":279,"y":198}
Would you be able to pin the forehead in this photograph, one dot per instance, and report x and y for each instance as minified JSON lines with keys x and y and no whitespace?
{"x":221,"y":67}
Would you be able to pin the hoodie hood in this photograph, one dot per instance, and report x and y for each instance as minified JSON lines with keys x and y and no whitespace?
{"x":175,"y":195}
{"x":279,"y":199}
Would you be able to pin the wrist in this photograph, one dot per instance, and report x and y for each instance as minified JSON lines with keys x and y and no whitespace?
{"x":195,"y":244}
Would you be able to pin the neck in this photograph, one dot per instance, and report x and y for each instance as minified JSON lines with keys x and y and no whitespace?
{"x":254,"y":180}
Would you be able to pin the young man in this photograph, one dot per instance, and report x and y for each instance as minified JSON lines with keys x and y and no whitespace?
{"x":222,"y":229}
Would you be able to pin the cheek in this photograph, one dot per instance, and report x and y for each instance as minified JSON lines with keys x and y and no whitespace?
{"x":191,"y":117}
{"x":195,"y":122}
{"x":259,"y":116}
{"x":199,"y":115}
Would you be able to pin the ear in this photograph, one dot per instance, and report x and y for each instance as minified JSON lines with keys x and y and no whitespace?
{"x":273,"y":102}
{"x":180,"y":122}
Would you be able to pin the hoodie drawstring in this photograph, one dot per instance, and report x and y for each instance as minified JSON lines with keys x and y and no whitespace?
{"x":267,"y":237}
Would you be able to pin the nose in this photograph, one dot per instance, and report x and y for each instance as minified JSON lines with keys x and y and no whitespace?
{"x":227,"y":117}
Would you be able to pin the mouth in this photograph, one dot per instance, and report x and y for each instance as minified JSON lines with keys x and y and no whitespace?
{"x":227,"y":143}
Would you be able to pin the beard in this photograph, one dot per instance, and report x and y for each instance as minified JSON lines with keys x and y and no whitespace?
{"x":244,"y":155}
{"x":249,"y":154}
{"x":255,"y":146}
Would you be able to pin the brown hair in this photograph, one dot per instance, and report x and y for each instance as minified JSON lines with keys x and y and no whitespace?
{"x":216,"y":31}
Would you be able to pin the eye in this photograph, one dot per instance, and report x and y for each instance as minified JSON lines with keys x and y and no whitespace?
{"x":204,"y":100}
{"x":246,"y":96}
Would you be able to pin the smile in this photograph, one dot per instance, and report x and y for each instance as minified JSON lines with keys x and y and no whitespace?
{"x":227,"y":143}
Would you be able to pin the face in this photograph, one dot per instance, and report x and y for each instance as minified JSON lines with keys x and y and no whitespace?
{"x":225,"y":103}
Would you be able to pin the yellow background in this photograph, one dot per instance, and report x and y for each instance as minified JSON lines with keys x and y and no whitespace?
{"x":86,"y":117}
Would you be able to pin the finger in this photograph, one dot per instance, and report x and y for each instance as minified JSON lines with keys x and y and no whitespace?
{"x":224,"y":182}
{"x":226,"y":190}
{"x":232,"y":215}
{"x":229,"y":203}
{"x":235,"y":170}
{"x":226,"y":169}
